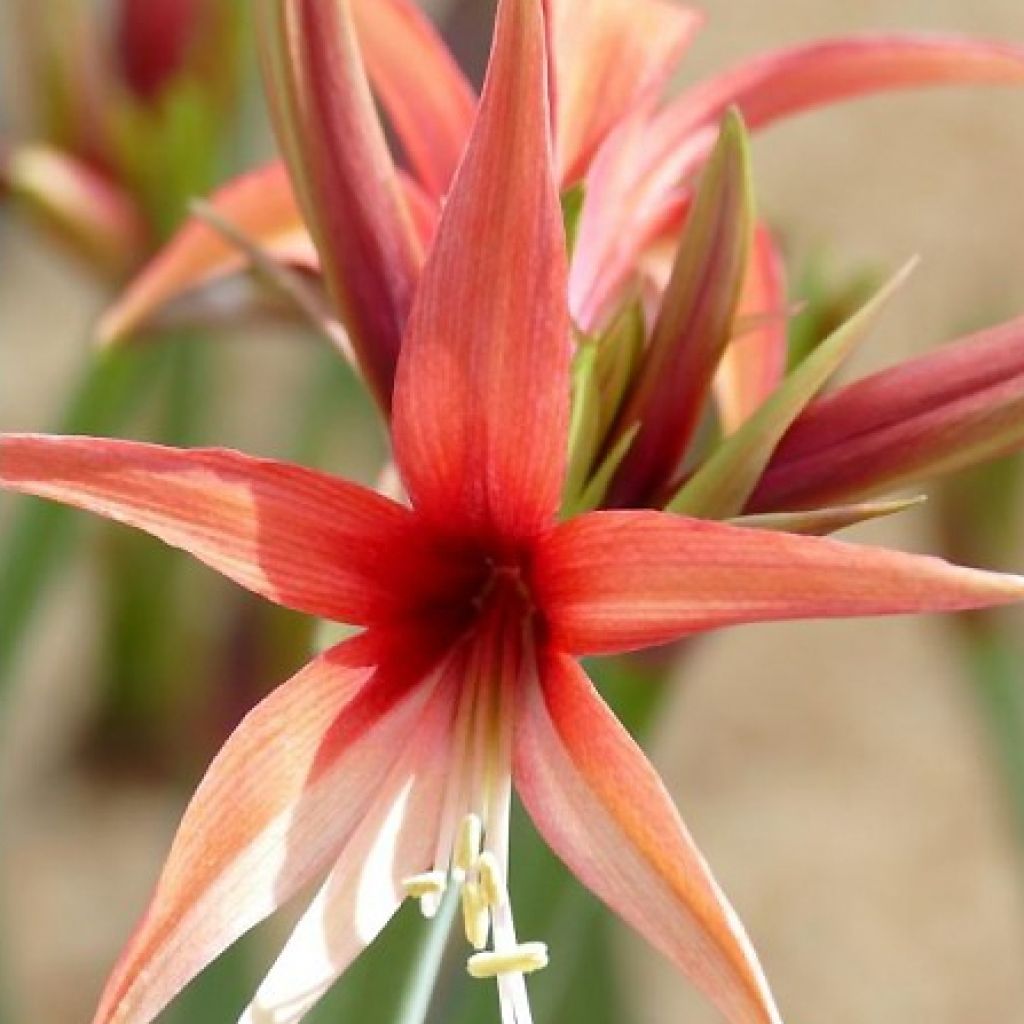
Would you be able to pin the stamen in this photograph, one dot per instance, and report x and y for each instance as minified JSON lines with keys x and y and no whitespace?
{"x":522,"y":959}
{"x":492,"y":884}
{"x":467,"y":846}
{"x":428,"y":888}
{"x":475,"y":916}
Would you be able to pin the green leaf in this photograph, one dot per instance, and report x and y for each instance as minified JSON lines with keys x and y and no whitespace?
{"x":721,"y":486}
{"x":573,"y":199}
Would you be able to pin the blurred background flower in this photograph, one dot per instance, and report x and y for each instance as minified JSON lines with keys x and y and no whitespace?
{"x":839,"y":776}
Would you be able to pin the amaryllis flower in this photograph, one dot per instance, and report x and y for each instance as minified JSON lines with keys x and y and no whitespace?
{"x":113,"y":94}
{"x":635,"y":153}
{"x":385,"y":768}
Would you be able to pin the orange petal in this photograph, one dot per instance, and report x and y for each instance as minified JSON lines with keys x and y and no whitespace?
{"x":277,"y":804}
{"x":601,"y":806}
{"x":395,"y":839}
{"x":754,"y":363}
{"x":429,"y":101}
{"x":260,"y":203}
{"x":303,"y":539}
{"x":619,"y":581}
{"x":481,"y":406}
{"x":609,"y":58}
{"x":939,"y":413}
{"x":345,"y":178}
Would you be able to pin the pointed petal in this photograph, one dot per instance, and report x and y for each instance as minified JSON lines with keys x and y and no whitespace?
{"x":609,"y":58}
{"x":783,"y":83}
{"x":153,"y":38}
{"x":481,"y":407}
{"x":345,"y":178}
{"x":753,"y":364}
{"x":395,"y":839}
{"x":936,"y":414}
{"x":693,"y":325}
{"x":619,"y":581}
{"x":601,"y":806}
{"x":429,"y":101}
{"x":819,"y":522}
{"x":721,"y":486}
{"x":303,"y":539}
{"x":260,"y":203}
{"x":276,"y":806}
{"x":94,"y":218}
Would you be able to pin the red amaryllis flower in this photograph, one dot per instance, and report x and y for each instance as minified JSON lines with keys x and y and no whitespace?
{"x":387,"y":764}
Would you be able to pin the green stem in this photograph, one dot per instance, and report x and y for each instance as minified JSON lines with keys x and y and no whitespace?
{"x":420,"y":992}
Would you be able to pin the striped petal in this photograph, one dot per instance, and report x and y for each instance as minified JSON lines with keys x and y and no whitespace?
{"x":275,"y":808}
{"x":303,"y":539}
{"x":753,"y":364}
{"x":609,"y":58}
{"x":620,"y":581}
{"x":939,"y":413}
{"x":428,"y":100}
{"x":395,"y":839}
{"x":601,"y":806}
{"x":481,"y":406}
{"x":346,"y":182}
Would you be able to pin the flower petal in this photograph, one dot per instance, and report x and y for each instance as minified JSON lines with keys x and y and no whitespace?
{"x":620,"y":581}
{"x":609,"y":58}
{"x":753,"y":364}
{"x":429,"y":101}
{"x":344,"y":176}
{"x":395,"y":839}
{"x":260,"y":203}
{"x":94,"y":218}
{"x":785,"y":82}
{"x":276,"y":806}
{"x":301,"y":538}
{"x":601,"y":806}
{"x":939,"y":413}
{"x":693,"y":326}
{"x":481,"y":406}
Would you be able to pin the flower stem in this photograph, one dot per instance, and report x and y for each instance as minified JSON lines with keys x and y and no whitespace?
{"x":421,"y":990}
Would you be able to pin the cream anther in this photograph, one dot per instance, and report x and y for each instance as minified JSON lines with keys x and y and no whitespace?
{"x":428,"y":888}
{"x":475,"y":916}
{"x":521,"y":959}
{"x":492,"y":884}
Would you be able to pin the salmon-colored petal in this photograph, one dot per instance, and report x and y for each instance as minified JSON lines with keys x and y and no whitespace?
{"x":93,"y":217}
{"x":601,"y":806}
{"x":260,"y":203}
{"x":345,"y":178}
{"x":785,"y":82}
{"x":753,"y":364}
{"x":428,"y":100}
{"x":277,"y":804}
{"x":395,"y":839}
{"x":301,"y":538}
{"x":619,"y":581}
{"x":609,"y":58}
{"x":939,"y":413}
{"x":481,"y":406}
{"x":694,"y":325}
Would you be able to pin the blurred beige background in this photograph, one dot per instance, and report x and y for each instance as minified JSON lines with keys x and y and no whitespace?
{"x":836,"y":775}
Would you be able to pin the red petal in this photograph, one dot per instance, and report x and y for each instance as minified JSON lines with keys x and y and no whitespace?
{"x":345,"y":179}
{"x":754,"y":363}
{"x":619,"y":581}
{"x":277,"y":804}
{"x":428,"y":99}
{"x":941,"y":412}
{"x":396,"y":839}
{"x":304,"y":539}
{"x":609,"y":58}
{"x":602,"y":808}
{"x":482,"y":399}
{"x":260,"y":203}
